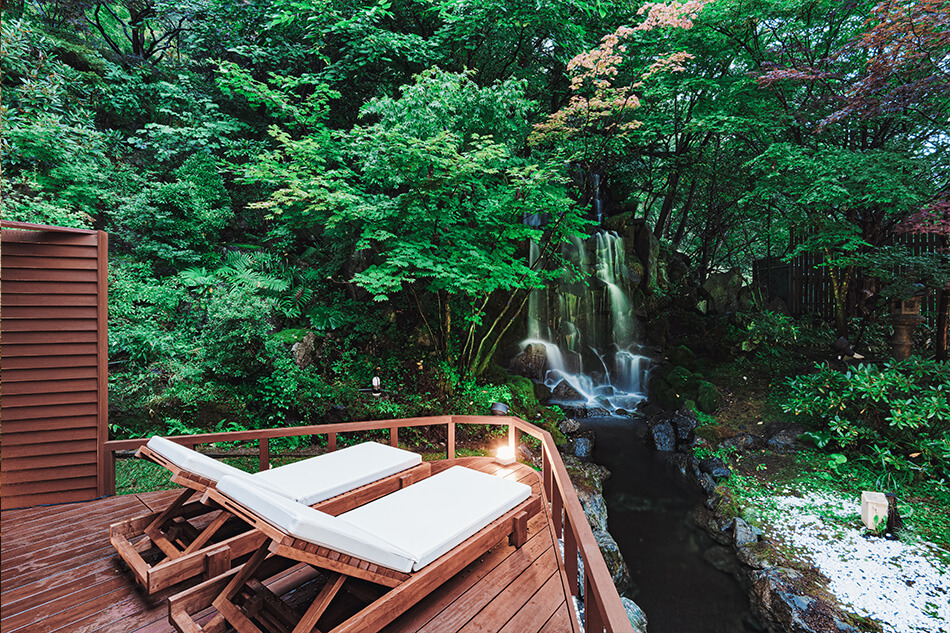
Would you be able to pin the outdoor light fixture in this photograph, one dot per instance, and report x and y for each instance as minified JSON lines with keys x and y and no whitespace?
{"x":505,"y":455}
{"x":377,"y":385}
{"x":499,"y":408}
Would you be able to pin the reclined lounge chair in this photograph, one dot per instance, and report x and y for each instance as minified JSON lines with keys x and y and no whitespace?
{"x":190,"y":539}
{"x":389,"y":554}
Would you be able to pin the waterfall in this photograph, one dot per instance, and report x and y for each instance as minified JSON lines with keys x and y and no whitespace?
{"x":588,"y":331}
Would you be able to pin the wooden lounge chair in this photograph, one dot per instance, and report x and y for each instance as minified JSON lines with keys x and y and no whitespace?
{"x":191,"y":538}
{"x":375,"y":561}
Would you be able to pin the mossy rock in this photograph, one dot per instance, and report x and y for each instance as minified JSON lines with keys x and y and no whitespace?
{"x":682,"y":355}
{"x":679,"y":378}
{"x":523,"y":399}
{"x":618,"y":222}
{"x":550,"y":423}
{"x":495,"y":373}
{"x":663,"y":394}
{"x":707,"y":397}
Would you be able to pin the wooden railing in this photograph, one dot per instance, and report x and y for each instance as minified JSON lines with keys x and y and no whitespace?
{"x":603,"y":610}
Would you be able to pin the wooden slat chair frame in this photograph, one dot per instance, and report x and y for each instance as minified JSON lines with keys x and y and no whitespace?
{"x":190,"y":552}
{"x":403,"y":590}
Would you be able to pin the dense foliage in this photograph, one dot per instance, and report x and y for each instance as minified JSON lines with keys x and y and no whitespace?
{"x":301,"y":194}
{"x":896,"y":416}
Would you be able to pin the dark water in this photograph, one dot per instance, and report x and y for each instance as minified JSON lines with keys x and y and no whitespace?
{"x":649,"y":506}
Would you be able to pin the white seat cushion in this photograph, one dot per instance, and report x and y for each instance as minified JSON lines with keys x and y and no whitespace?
{"x":431,"y":517}
{"x":303,"y":522}
{"x":315,"y":479}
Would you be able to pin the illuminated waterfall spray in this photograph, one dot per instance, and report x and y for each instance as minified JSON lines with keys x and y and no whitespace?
{"x":588,"y":332}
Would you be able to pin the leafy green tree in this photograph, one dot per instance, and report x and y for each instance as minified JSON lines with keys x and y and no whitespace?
{"x":55,"y":159}
{"x":435,"y":203}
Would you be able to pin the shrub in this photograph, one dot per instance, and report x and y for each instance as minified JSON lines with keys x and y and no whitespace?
{"x":897,"y":416}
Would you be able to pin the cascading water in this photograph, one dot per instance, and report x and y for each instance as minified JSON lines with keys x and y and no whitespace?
{"x":586,"y":332}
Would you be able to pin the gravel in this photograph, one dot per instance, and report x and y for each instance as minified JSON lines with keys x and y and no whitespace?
{"x":902,"y":585}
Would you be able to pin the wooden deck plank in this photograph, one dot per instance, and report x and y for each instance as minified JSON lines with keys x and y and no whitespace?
{"x":60,"y":574}
{"x":70,"y":525}
{"x":65,"y":581}
{"x":500,"y":609}
{"x":542,"y":605}
{"x":442,"y":598}
{"x":560,"y":621}
{"x":464,"y":607}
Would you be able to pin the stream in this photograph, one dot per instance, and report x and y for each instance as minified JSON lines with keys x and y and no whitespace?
{"x":648,"y":506}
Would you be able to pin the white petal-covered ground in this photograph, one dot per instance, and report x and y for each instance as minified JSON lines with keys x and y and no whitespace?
{"x":904,"y":586}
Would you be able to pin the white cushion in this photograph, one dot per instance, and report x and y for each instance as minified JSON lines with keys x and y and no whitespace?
{"x":315,"y":479}
{"x":317,"y":527}
{"x":429,"y":518}
{"x":193,"y":461}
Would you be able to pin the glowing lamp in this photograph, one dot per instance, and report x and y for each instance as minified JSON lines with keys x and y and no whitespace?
{"x":505,"y":455}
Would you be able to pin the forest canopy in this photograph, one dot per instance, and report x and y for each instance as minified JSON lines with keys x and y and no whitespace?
{"x":353,"y":176}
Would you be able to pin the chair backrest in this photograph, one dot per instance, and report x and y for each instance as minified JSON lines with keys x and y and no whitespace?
{"x":313,"y":526}
{"x":193,"y":461}
{"x":316,"y":479}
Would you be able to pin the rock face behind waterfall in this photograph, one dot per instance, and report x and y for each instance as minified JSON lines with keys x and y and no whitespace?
{"x":583,"y":338}
{"x":531,"y":362}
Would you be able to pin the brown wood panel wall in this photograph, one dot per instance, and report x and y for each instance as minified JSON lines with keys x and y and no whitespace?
{"x":54,"y":364}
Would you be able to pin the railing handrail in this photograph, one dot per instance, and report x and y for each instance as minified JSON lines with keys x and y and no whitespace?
{"x":603,"y":608}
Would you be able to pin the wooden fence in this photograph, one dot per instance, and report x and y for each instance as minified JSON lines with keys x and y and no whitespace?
{"x":603,"y":610}
{"x":53,"y":355}
{"x":805,"y":285}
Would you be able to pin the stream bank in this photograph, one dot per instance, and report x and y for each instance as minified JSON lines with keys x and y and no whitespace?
{"x":679,"y":574}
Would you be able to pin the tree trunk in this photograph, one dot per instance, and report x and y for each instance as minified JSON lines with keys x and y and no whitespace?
{"x":667,"y":207}
{"x":839,"y":288}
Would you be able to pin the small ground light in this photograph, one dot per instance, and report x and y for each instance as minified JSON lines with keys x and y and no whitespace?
{"x":505,"y":455}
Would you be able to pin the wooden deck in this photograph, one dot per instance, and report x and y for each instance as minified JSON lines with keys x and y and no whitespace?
{"x":58,"y":572}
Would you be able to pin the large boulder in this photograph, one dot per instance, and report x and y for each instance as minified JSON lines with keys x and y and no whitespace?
{"x":616,"y":565}
{"x":664,"y":439}
{"x":715,"y":467}
{"x":707,"y":397}
{"x":564,"y":391}
{"x":781,"y":607}
{"x":596,"y":510}
{"x":582,"y":447}
{"x":684,"y":422}
{"x":531,"y":362}
{"x":638,"y":619}
{"x":722,"y":291}
{"x":304,"y":350}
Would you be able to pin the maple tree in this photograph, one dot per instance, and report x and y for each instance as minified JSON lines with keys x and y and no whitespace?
{"x":603,"y":88}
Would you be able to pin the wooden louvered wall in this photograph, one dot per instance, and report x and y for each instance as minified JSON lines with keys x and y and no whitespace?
{"x":53,"y":358}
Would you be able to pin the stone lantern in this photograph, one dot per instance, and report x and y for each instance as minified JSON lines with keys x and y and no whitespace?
{"x":905,"y":317}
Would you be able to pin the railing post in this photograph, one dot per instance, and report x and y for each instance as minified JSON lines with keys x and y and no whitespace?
{"x":546,"y":473}
{"x":557,"y":507}
{"x":263,"y":448}
{"x":513,"y":439}
{"x":394,"y":436}
{"x":593,"y":617}
{"x":450,"y":445}
{"x":331,"y":441}
{"x":570,"y":556}
{"x":109,"y":474}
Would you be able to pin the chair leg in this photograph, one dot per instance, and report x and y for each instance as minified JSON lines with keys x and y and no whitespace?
{"x":320,"y":604}
{"x":519,"y":530}
{"x":208,"y":532}
{"x":154,"y":529}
